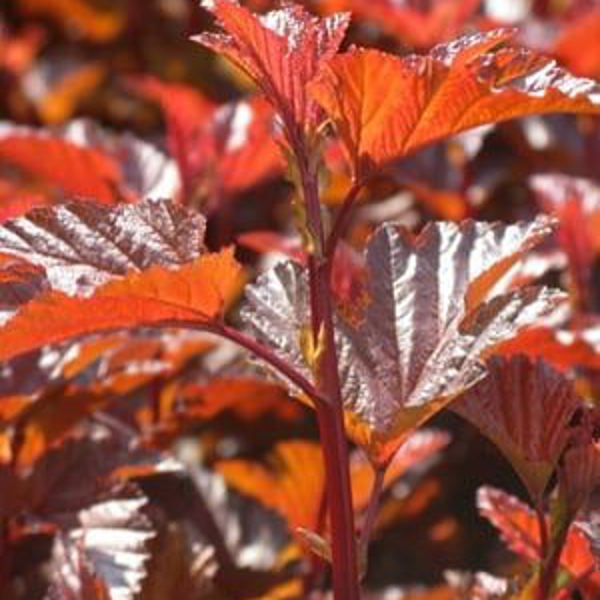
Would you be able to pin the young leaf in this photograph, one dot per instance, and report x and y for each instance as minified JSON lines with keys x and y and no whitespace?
{"x":281,"y":51}
{"x":82,"y":245}
{"x":524,"y":408}
{"x":434,"y":311}
{"x":385,"y":107}
{"x":193,"y":295}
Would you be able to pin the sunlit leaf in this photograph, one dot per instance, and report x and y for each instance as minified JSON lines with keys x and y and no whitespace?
{"x":524,"y":408}
{"x":82,"y":245}
{"x":385,"y":107}
{"x":281,"y":51}
{"x":116,"y":537}
{"x":192,"y":295}
{"x":444,"y":295}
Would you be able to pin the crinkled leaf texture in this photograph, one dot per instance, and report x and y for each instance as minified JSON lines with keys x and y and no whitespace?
{"x":525,"y":408}
{"x":385,"y":107}
{"x":191,"y":295}
{"x":281,"y":51}
{"x":82,"y":245}
{"x":437,"y":306}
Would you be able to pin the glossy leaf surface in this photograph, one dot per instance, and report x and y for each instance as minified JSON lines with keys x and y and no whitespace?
{"x":281,"y":51}
{"x":82,"y":245}
{"x":440,"y":291}
{"x":385,"y":107}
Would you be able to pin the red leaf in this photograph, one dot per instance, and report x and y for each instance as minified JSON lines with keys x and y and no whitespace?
{"x":77,"y":170}
{"x":385,"y":107}
{"x":563,"y":349}
{"x":516,"y":522}
{"x":582,"y":33}
{"x":576,"y":203}
{"x":579,"y":475}
{"x":525,"y":409}
{"x":281,"y":51}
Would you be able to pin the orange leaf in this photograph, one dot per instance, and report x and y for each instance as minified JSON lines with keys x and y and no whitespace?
{"x":582,"y":33}
{"x":292,"y":483}
{"x":64,"y":98}
{"x":385,"y":107}
{"x":81,"y":16}
{"x":193,"y":294}
{"x":563,"y":349}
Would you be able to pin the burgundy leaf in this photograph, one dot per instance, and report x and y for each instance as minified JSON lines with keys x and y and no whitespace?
{"x":524,"y":408}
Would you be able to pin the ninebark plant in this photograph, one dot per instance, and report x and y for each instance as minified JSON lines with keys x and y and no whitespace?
{"x":426,"y":312}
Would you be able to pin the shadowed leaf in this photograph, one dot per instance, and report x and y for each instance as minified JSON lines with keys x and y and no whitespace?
{"x":524,"y":408}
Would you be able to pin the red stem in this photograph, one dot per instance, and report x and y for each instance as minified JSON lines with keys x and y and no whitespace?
{"x":550,"y":564}
{"x":543,"y":527}
{"x":330,"y":415}
{"x":267,"y":356}
{"x":371,"y":516}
